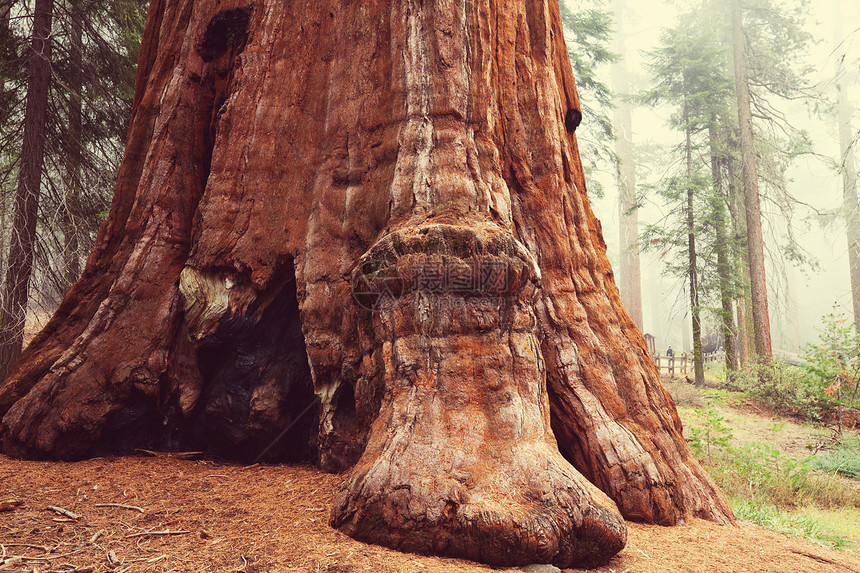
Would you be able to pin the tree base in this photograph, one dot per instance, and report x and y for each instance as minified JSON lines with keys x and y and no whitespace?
{"x":460,"y":459}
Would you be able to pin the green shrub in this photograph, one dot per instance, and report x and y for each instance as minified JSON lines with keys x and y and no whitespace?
{"x":789,"y":390}
{"x":759,"y":473}
{"x":832,"y":366}
{"x":844,"y":460}
{"x":824,"y":387}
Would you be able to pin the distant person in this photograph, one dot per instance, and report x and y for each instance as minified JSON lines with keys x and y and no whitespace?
{"x":670,"y":353}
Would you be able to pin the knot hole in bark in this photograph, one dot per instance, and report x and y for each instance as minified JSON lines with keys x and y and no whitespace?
{"x":572,"y":119}
{"x":227,"y":31}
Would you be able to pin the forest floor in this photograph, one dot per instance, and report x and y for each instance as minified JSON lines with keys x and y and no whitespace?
{"x":207,"y":515}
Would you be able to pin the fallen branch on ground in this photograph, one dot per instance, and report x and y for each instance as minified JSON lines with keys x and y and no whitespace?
{"x":145,"y":533}
{"x":177,"y":455}
{"x":30,"y":545}
{"x":96,"y":535}
{"x":62,"y":511}
{"x":10,"y":504}
{"x":121,"y":505}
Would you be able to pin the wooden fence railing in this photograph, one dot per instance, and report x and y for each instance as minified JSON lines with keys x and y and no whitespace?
{"x":681,"y":363}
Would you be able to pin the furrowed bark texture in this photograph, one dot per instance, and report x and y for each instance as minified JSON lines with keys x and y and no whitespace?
{"x":379,"y":206}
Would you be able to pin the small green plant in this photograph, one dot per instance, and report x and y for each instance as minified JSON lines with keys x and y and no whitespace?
{"x":711,"y":433}
{"x":776,"y":427}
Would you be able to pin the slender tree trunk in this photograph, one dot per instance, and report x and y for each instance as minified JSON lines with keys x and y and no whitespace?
{"x":6,"y":52}
{"x":5,"y":20}
{"x":23,"y":239}
{"x":658,"y":310}
{"x":71,"y":215}
{"x":724,"y":266}
{"x":695,"y":309}
{"x":793,"y":310}
{"x":743,"y":344}
{"x":850,"y":208}
{"x":3,"y":233}
{"x":755,"y":239}
{"x":630,"y":283}
{"x":379,"y":205}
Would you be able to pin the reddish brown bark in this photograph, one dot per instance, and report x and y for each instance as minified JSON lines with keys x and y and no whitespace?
{"x":752,"y":202}
{"x":391,"y":194}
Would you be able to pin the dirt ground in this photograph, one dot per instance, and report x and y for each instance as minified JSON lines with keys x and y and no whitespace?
{"x":203,"y":515}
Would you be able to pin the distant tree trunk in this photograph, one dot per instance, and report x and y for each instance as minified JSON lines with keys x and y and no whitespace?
{"x":850,"y":207}
{"x":755,"y":239}
{"x":739,"y":258}
{"x":71,"y":214}
{"x":630,"y":283}
{"x":693,"y":272}
{"x":724,"y":265}
{"x":379,"y":205}
{"x":23,"y":237}
{"x":5,"y":20}
{"x":6,"y":54}
{"x":793,"y":313}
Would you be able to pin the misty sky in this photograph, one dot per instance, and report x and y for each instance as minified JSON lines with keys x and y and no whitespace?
{"x":815,"y":290}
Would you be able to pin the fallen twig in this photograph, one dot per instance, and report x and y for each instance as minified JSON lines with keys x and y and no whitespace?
{"x":62,"y":511}
{"x":146,"y":533}
{"x":30,"y":545}
{"x":96,"y":535}
{"x":52,"y":557}
{"x":821,"y":559}
{"x":643,"y":553}
{"x":10,"y":504}
{"x":121,"y":505}
{"x":177,"y":455}
{"x":8,"y":563}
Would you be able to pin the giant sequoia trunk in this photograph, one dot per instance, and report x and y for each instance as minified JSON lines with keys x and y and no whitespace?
{"x":380,"y":206}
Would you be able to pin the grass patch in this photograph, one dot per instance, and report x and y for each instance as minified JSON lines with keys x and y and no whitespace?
{"x":778,"y":491}
{"x":759,"y":473}
{"x":825,"y":529}
{"x":845,"y":459}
